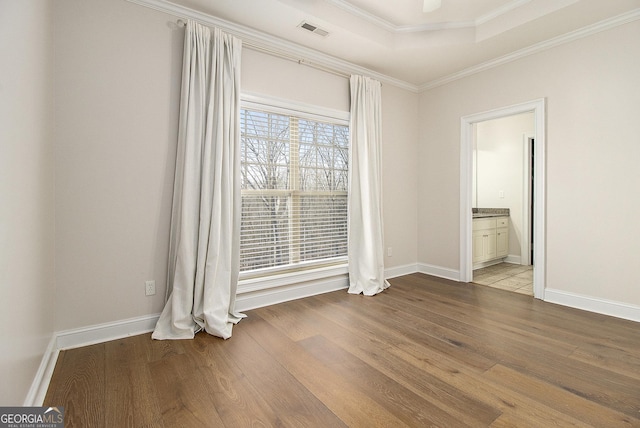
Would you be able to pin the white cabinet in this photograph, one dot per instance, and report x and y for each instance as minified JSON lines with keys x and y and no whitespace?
{"x":484,"y":239}
{"x":490,"y":240}
{"x":502,"y":237}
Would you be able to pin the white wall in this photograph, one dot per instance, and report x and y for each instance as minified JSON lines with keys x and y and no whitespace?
{"x":592,"y":90}
{"x":281,"y":78}
{"x":117,"y":74}
{"x":26,"y":194}
{"x":117,"y":81}
{"x":399,"y":176}
{"x":499,"y":161}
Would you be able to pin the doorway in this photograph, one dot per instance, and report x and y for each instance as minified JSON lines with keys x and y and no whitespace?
{"x":502,"y":174}
{"x":537,"y":107}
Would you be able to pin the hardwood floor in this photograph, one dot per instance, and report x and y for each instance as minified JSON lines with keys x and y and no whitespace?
{"x":425,"y":352}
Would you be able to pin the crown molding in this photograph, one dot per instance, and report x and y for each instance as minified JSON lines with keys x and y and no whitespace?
{"x":272,"y":44}
{"x":306,"y":55}
{"x":363,"y":14}
{"x":589,"y":30}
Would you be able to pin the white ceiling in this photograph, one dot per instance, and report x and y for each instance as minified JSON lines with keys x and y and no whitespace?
{"x":395,"y":38}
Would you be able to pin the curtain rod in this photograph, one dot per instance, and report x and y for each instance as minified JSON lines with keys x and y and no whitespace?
{"x":283,"y":55}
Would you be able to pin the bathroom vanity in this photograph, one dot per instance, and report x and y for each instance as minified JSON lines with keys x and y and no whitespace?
{"x":490,"y":237}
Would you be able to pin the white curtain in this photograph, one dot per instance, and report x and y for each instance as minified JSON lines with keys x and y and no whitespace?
{"x":204,"y":248}
{"x":366,"y":235}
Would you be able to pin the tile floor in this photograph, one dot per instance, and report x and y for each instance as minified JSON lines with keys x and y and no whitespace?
{"x":506,"y":276}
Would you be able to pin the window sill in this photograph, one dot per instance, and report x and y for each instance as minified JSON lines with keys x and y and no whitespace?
{"x":290,"y":278}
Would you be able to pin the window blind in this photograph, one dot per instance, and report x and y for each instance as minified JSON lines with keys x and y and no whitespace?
{"x":294,"y":190}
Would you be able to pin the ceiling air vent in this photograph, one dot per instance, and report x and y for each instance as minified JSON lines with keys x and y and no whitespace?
{"x":313,"y":29}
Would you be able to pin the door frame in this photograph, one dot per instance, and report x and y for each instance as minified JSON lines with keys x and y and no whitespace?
{"x":466,"y":187}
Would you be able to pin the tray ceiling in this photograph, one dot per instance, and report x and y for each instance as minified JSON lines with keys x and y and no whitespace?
{"x":397,"y":39}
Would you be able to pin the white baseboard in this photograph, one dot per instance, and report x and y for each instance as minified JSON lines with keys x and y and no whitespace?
{"x":592,"y":304}
{"x":99,"y":333}
{"x":248,"y":299}
{"x":481,"y":265}
{"x":397,"y":271}
{"x":40,"y":383}
{"x":439,"y":271}
{"x":517,"y":260}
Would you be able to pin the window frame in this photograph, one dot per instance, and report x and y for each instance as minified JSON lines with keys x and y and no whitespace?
{"x":277,"y":276}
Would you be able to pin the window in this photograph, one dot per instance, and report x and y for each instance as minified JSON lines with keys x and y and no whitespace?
{"x":294,"y":190}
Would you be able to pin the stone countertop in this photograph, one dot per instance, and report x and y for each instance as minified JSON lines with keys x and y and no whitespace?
{"x":490,"y":212}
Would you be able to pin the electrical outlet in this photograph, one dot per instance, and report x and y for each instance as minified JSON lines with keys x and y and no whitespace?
{"x":389,"y":252}
{"x":150,"y":288}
